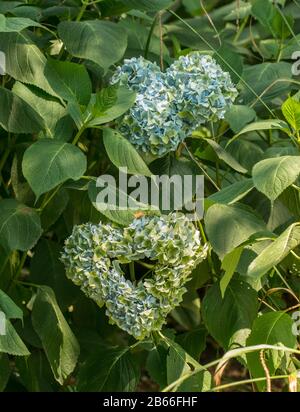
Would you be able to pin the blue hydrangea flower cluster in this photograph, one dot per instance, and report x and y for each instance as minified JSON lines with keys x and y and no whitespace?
{"x":171,"y":105}
{"x":93,"y":256}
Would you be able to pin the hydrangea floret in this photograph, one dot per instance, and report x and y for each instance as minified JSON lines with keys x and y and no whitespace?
{"x":170,"y":105}
{"x":94,"y":256}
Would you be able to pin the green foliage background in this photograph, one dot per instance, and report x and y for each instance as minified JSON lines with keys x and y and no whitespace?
{"x":57,"y":118}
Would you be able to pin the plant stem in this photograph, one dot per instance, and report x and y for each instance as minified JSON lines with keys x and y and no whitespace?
{"x":19,"y":270}
{"x":244,"y":382}
{"x":150,"y":36}
{"x":82,"y":10}
{"x":146,"y":265}
{"x":79,"y":133}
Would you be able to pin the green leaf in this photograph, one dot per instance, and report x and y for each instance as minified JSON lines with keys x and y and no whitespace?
{"x":109,"y":104}
{"x":239,"y":116}
{"x":264,"y":11}
{"x":7,"y":6}
{"x":273,"y":124}
{"x":291,"y":199}
{"x":20,"y":226}
{"x":147,"y":5}
{"x":229,"y":320}
{"x":123,"y":154}
{"x":229,"y":265}
{"x":24,"y":60}
{"x":275,"y":252}
{"x":238,"y":223}
{"x":193,"y":342}
{"x":232,"y":193}
{"x":108,"y":203}
{"x":246,"y":151}
{"x":109,"y":369}
{"x":176,"y":364}
{"x":5,"y":371}
{"x":47,"y":269}
{"x":16,"y":116}
{"x":102,"y":42}
{"x":188,"y":313}
{"x":272,"y":328}
{"x":8,"y":306}
{"x":16,"y":24}
{"x":59,"y":342}
{"x":47,"y":163}
{"x":35,"y":373}
{"x":240,"y":12}
{"x":54,"y":209}
{"x":56,"y":122}
{"x":259,"y":77}
{"x":11,"y":343}
{"x":69,"y":80}
{"x":273,"y":176}
{"x":230,"y":61}
{"x":226,"y":157}
{"x":156,"y":358}
{"x":291,"y":111}
{"x":180,"y":363}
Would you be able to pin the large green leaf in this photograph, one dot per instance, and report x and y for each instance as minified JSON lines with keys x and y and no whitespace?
{"x":109,"y":104}
{"x":123,"y":154}
{"x":229,"y":265}
{"x":237,"y":224}
{"x":230,"y":61}
{"x":16,"y":116}
{"x":275,"y":252}
{"x":291,"y":111}
{"x":193,"y":342}
{"x":11,"y":343}
{"x":16,"y":24}
{"x":109,"y":369}
{"x":35,"y":373}
{"x":59,"y":342}
{"x":272,"y":328}
{"x":232,"y":193}
{"x":274,"y":124}
{"x":226,"y":157}
{"x":147,"y":5}
{"x":69,"y":80}
{"x":7,"y":6}
{"x":273,"y":176}
{"x":24,"y":60}
{"x":238,"y":116}
{"x":263,"y":11}
{"x":102,"y":42}
{"x":260,"y":77}
{"x":56,"y":122}
{"x":179,"y":363}
{"x":20,"y":226}
{"x":8,"y":306}
{"x":109,"y":200}
{"x":47,"y":269}
{"x":48,"y":163}
{"x":229,"y":319}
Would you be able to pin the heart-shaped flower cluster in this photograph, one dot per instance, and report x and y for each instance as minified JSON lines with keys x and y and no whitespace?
{"x":170,"y":105}
{"x":94,"y":256}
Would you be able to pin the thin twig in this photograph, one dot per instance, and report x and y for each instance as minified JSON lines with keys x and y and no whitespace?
{"x":267,"y":372}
